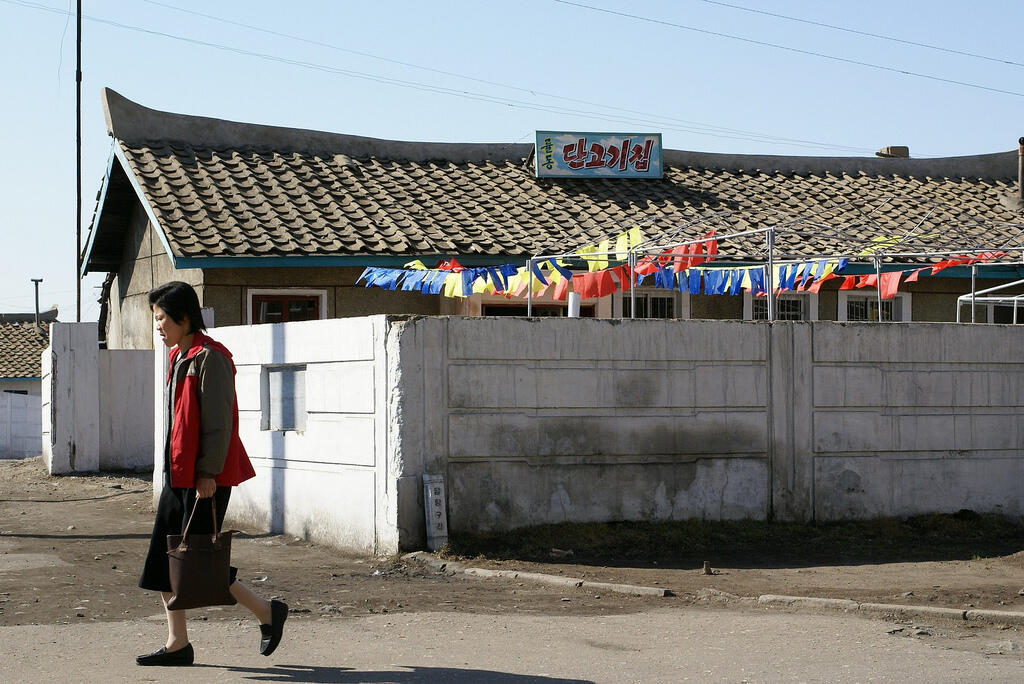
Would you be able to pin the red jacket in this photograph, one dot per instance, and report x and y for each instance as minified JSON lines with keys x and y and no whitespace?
{"x":187,"y":434}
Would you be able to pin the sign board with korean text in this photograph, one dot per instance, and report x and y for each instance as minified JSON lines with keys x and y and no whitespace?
{"x":598,"y":155}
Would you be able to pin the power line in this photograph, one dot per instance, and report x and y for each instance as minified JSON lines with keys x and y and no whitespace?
{"x":880,"y":36}
{"x":799,"y":51}
{"x":665,"y":123}
{"x":532,"y":91}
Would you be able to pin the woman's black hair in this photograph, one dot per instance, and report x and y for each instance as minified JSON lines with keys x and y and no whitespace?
{"x":178,"y":300}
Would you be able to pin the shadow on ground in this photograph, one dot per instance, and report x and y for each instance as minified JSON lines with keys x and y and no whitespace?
{"x":964,"y":535}
{"x":411,"y":675}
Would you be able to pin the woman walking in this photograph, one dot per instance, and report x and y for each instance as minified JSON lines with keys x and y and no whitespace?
{"x":203,"y":456}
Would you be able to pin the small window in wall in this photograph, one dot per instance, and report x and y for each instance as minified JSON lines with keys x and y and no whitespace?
{"x":864,"y":307}
{"x":789,"y":306}
{"x":652,"y":303}
{"x":282,"y":306}
{"x":542,"y":310}
{"x":284,"y":398}
{"x":650,"y":306}
{"x":16,"y":391}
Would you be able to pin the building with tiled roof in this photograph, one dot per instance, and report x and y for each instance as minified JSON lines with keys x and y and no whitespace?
{"x":21,"y":348}
{"x":274,"y":224}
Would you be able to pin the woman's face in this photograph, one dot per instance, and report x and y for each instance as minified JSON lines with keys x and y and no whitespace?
{"x":170,"y":332}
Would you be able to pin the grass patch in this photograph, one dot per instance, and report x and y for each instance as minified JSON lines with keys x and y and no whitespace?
{"x":959,"y":536}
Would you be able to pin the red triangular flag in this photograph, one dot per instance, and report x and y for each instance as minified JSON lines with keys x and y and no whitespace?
{"x":848,"y":282}
{"x":889,"y":283}
{"x":712,"y":245}
{"x":914,"y":274}
{"x":605,"y":284}
{"x":681,"y":263}
{"x":816,"y":285}
{"x":646,"y":266}
{"x":561,"y":288}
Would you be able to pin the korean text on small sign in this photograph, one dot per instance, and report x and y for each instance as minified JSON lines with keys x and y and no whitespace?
{"x":606,"y":155}
{"x":580,"y":156}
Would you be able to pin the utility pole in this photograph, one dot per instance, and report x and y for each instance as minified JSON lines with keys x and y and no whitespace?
{"x":36,"y":281}
{"x":78,"y":166}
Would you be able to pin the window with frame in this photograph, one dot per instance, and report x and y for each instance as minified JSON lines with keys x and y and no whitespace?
{"x":789,"y":306}
{"x":285,"y":307}
{"x":786,"y":309}
{"x":284,"y":398}
{"x":649,"y":305}
{"x":865,"y":308}
{"x":539,"y":310}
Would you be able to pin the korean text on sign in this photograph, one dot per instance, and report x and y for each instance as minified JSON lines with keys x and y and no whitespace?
{"x":621,"y":157}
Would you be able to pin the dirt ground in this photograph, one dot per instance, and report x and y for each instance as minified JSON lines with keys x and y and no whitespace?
{"x":71,"y":548}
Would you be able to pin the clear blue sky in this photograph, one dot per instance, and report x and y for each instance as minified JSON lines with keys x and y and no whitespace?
{"x":537,"y":64}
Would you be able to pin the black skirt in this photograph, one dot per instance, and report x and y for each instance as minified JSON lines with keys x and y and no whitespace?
{"x":171,"y":515}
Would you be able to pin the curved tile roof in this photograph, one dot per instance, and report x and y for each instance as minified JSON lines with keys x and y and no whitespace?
{"x":219,"y":188}
{"x":21,"y":347}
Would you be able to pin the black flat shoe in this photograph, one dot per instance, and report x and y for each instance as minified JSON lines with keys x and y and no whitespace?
{"x":271,"y":634}
{"x":163,"y":657}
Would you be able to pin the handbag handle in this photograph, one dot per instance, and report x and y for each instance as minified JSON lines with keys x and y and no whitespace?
{"x":183,"y":546}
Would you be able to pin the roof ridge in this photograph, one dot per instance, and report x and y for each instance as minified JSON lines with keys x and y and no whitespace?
{"x":133,"y":123}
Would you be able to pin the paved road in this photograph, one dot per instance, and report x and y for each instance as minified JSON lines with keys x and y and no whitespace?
{"x":655,"y":646}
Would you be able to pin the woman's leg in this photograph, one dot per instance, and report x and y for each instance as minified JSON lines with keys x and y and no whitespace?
{"x":258,"y":606}
{"x":177,"y":631}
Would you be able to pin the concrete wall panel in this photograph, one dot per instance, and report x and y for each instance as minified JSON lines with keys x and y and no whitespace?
{"x":20,"y":423}
{"x":485,"y":496}
{"x":126,"y":418}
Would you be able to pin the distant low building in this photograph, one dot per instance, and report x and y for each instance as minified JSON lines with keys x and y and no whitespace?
{"x":21,"y":347}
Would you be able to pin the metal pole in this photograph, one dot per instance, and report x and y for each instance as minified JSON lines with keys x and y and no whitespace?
{"x":529,"y":289}
{"x":37,"y":281}
{"x":631,"y":260}
{"x":770,"y":276}
{"x":1020,"y":170}
{"x":878,"y":285}
{"x":974,"y":278}
{"x":78,"y":164}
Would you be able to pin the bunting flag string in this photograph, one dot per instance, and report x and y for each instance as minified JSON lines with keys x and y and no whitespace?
{"x":683,"y":268}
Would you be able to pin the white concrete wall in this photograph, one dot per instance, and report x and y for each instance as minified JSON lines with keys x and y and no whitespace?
{"x":96,"y":407}
{"x":20,"y":426}
{"x":908,"y":419}
{"x":328,"y":483}
{"x":125,"y":415}
{"x":552,"y":420}
{"x":71,"y":416}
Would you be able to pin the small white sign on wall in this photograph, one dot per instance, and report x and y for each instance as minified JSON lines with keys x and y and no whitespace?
{"x":436,"y":511}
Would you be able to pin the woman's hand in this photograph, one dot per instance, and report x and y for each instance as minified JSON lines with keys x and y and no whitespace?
{"x":205,"y":487}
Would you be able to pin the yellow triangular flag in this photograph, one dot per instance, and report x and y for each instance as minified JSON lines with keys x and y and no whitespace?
{"x":621,"y":247}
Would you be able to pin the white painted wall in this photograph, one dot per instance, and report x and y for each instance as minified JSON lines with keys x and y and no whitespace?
{"x":71,"y":419}
{"x":328,"y":483}
{"x":125,"y":414}
{"x":95,"y":411}
{"x":552,"y":420}
{"x":20,"y":427}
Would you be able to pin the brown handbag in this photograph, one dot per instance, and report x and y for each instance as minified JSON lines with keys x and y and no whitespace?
{"x":200,"y":566}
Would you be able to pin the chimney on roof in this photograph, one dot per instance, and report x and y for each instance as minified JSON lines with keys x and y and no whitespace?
{"x":1020,"y":171}
{"x":1015,"y":200}
{"x":894,"y":152}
